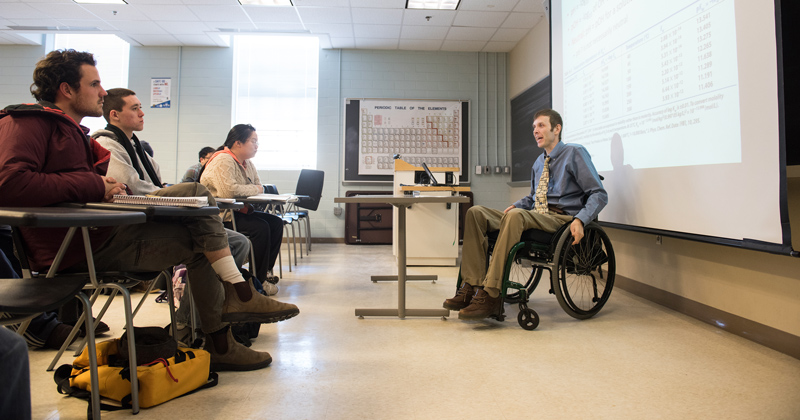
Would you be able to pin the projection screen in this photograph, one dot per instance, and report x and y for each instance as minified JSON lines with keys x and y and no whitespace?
{"x":679,"y":107}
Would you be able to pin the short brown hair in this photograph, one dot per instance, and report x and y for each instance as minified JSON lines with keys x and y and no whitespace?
{"x":57,"y":67}
{"x":115,"y":101}
{"x":555,"y":119}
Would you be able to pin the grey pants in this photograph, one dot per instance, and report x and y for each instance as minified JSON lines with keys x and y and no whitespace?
{"x":157,"y":245}
{"x":479,"y":221}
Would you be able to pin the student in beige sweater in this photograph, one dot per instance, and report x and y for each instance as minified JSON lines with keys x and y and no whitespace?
{"x":230,"y":174}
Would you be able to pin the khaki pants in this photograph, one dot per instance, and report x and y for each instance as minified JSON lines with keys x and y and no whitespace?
{"x":479,"y":221}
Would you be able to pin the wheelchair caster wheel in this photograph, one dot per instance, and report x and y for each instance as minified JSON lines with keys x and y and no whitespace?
{"x":528,"y":319}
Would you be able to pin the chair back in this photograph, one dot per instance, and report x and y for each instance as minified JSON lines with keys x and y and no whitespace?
{"x":310,"y":184}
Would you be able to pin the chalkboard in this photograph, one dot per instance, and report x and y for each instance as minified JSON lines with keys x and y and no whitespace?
{"x":523,"y":147}
{"x":455,"y":129}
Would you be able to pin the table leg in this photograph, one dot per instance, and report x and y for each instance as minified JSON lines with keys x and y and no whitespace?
{"x":401,"y":310}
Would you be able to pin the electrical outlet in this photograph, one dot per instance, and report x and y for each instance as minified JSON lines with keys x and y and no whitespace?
{"x":498,"y":169}
{"x":337,"y":211}
{"x":478,"y":170}
{"x":487,"y":169}
{"x":658,"y":240}
{"x":506,"y":169}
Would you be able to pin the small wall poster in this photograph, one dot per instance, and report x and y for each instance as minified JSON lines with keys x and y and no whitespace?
{"x":159,"y":92}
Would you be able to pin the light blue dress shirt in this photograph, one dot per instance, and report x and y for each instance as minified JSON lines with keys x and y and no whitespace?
{"x":574,"y":186}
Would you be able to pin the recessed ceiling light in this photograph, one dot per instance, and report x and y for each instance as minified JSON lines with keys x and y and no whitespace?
{"x":433,"y":4}
{"x":266,"y":2}
{"x":101,"y":1}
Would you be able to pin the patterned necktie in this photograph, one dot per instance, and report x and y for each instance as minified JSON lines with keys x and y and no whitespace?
{"x":541,"y":189}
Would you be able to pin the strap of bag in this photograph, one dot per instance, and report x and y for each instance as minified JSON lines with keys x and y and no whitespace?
{"x":62,"y":377}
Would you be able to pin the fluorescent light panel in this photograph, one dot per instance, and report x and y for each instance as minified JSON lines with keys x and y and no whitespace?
{"x":433,"y":4}
{"x":266,"y":2}
{"x":100,"y":1}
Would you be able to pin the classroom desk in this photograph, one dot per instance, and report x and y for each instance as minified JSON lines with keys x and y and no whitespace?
{"x":402,"y":203}
{"x":74,"y":218}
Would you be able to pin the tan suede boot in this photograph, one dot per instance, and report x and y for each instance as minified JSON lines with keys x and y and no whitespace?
{"x":259,"y":308}
{"x":238,"y":357}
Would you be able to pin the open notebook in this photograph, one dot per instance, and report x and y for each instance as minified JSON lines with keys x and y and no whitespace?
{"x":147,"y":200}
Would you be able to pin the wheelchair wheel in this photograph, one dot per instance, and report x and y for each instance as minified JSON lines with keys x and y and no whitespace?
{"x":528,"y":318}
{"x":583,"y":275}
{"x":524,"y":273}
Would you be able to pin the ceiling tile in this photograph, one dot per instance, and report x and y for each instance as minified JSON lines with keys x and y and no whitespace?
{"x":424,"y":32}
{"x":450,"y":45}
{"x":280,"y":27}
{"x":135,"y":27}
{"x":220,"y":13}
{"x":102,"y":25}
{"x":244,"y":26}
{"x":155,"y":40}
{"x":491,"y":5}
{"x":324,"y":15}
{"x":321,"y":3}
{"x":196,"y":40}
{"x":385,"y":4}
{"x":470,"y":34}
{"x":35,"y":22}
{"x":419,"y":17}
{"x":493,"y":46}
{"x":335,"y":30}
{"x":376,"y":31}
{"x":158,"y":12}
{"x":343,"y":42}
{"x":13,"y":11}
{"x":420,"y":44}
{"x":530,"y":6}
{"x":377,"y":44}
{"x":207,"y":2}
{"x":523,"y":20}
{"x":123,"y":12}
{"x":509,"y":35}
{"x":377,"y":16}
{"x":65,"y":11}
{"x":272,"y":14}
{"x":185,"y":28}
{"x":480,"y":19}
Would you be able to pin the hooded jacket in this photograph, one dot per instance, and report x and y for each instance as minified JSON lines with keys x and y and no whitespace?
{"x":47,"y":158}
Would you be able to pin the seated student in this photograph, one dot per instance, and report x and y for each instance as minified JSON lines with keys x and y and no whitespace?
{"x":193,"y":173}
{"x":230,"y":173}
{"x":47,"y":159}
{"x":565,"y":188}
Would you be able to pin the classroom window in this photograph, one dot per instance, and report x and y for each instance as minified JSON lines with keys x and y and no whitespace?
{"x":275,"y":88}
{"x":112,"y":55}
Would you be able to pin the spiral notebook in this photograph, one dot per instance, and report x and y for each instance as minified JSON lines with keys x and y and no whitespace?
{"x":147,"y":200}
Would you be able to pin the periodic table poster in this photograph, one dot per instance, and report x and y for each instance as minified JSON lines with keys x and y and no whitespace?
{"x":418,"y":130}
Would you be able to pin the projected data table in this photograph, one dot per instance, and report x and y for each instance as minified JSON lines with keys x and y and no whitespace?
{"x":677,"y":75}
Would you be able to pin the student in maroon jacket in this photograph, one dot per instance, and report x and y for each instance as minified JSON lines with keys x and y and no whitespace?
{"x":47,"y":158}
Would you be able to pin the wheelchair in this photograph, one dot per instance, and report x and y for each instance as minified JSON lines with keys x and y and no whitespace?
{"x":581,"y":276}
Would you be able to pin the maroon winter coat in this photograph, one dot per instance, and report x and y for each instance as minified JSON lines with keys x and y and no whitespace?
{"x":47,"y":158}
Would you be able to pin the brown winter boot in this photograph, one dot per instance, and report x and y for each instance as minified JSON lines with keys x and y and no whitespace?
{"x":462,"y":298}
{"x":259,"y":308}
{"x":238,"y":357}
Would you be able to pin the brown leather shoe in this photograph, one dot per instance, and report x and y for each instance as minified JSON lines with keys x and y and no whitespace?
{"x":238,"y":357}
{"x":482,"y":306}
{"x":259,"y":308}
{"x":462,"y":298}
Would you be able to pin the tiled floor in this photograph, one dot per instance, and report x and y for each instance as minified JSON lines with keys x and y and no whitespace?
{"x":635,"y":360}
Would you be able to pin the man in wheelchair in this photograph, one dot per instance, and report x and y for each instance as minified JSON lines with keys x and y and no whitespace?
{"x":565,"y":188}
